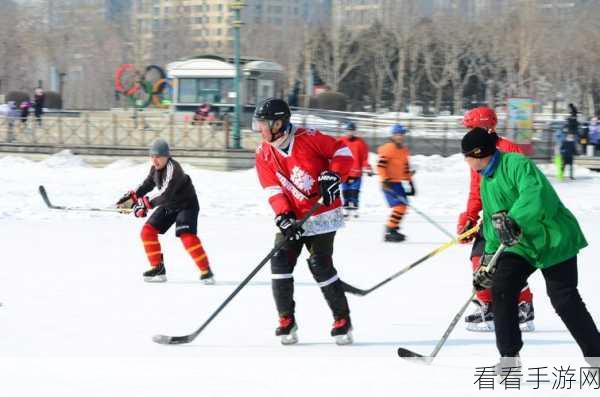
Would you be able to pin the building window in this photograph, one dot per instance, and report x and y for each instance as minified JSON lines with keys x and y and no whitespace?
{"x":198,"y":20}
{"x":198,"y":8}
{"x":209,"y":90}
{"x":219,"y":19}
{"x":156,"y":11}
{"x":220,"y":7}
{"x":218,"y":32}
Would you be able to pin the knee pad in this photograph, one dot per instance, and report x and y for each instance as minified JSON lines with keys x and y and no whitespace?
{"x":321,"y":267}
{"x":282,"y":264}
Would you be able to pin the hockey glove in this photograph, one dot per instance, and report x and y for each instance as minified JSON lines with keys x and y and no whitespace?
{"x":509,"y":233}
{"x":387,"y":185}
{"x":351,"y":180}
{"x":483,"y":277}
{"x":465,"y":222}
{"x":288,"y":226}
{"x":140,"y":209}
{"x":329,"y":187}
{"x":128,"y":200}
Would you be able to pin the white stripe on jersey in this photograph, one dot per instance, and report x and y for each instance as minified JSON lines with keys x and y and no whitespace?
{"x":343,"y":151}
{"x":165,"y":184}
{"x":273,"y":191}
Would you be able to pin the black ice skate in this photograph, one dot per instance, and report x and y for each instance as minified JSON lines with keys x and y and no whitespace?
{"x":482,"y":319}
{"x":526,"y":317}
{"x":156,"y":275}
{"x":207,"y":277}
{"x":342,"y":331}
{"x":392,"y":235}
{"x":287,"y":330}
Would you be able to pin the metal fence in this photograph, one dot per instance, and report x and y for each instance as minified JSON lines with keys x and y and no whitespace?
{"x":118,"y":129}
{"x":110,"y":130}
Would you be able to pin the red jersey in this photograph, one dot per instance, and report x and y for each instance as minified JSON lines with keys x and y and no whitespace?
{"x":290,"y":177}
{"x":474,"y":203}
{"x":360,"y":154}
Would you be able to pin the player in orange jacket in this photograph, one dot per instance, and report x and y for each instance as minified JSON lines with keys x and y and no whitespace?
{"x":394,"y":170}
{"x":360,"y":165}
{"x":482,"y":319}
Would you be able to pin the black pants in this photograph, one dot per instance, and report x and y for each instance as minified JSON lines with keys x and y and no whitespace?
{"x":561,"y":285}
{"x":185,"y":219}
{"x":320,"y":264}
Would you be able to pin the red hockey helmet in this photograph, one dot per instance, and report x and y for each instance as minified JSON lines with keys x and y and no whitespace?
{"x":482,"y":117}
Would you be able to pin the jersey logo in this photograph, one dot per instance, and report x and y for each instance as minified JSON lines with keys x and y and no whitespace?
{"x":302,"y":180}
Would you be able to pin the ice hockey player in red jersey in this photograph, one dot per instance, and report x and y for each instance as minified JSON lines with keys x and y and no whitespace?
{"x":174,"y":201}
{"x":483,"y":317}
{"x":360,"y":153}
{"x":296,"y":167}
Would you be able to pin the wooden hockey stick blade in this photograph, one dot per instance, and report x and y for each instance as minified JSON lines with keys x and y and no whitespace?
{"x":411,"y":355}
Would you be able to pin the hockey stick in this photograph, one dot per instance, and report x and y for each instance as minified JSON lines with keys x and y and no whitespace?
{"x":405,"y":353}
{"x":44,"y":195}
{"x":362,"y":292}
{"x":427,"y":218}
{"x":176,"y":340}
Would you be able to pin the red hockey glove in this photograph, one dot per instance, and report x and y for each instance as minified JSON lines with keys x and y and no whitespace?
{"x":140,"y":209}
{"x":465,"y":222}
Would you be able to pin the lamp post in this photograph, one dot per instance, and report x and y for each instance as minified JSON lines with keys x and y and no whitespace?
{"x":236,"y":7}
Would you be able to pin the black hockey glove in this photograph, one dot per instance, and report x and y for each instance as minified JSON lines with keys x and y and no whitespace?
{"x":329,"y":186}
{"x":412,"y":190}
{"x":387,"y":185}
{"x":483,"y":277}
{"x":288,"y":226}
{"x":127,"y":201}
{"x":509,"y":233}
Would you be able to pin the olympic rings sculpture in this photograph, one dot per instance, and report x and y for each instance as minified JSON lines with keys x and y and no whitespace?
{"x":144,"y":88}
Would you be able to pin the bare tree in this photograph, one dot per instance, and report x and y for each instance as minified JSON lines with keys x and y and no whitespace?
{"x":336,"y":53}
{"x":438,"y":60}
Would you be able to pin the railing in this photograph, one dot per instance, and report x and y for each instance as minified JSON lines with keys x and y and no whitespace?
{"x":439,"y":135}
{"x":110,"y":130}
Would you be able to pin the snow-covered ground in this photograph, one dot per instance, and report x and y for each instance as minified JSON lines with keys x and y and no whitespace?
{"x":77,"y":320}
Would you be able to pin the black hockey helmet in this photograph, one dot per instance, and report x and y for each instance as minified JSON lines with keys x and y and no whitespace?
{"x":273,"y":109}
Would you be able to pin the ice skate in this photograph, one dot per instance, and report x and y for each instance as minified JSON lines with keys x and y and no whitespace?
{"x":342,"y":331}
{"x":287,"y":330}
{"x":156,"y":275}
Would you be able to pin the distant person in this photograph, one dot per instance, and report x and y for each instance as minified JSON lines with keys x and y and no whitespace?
{"x":38,"y":104}
{"x":559,"y":138}
{"x":24,"y":108}
{"x":595,"y":135}
{"x":203,"y":114}
{"x":360,"y":154}
{"x":394,"y":171}
{"x":12,"y":115}
{"x":567,"y":151}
